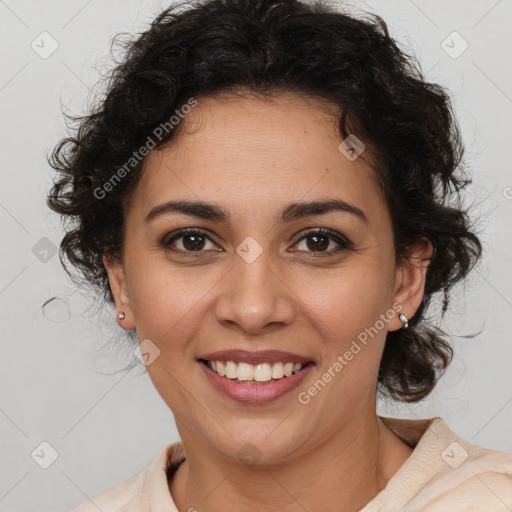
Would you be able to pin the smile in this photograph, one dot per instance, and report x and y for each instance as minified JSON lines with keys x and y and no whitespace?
{"x":263,"y":373}
{"x":258,"y":383}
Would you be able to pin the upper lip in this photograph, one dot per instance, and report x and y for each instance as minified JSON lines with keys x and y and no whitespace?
{"x":259,"y":357}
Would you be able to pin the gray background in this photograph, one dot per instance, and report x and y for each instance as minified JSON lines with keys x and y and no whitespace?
{"x":57,"y":362}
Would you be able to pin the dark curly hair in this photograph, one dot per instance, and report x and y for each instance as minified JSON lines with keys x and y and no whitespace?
{"x":267,"y":47}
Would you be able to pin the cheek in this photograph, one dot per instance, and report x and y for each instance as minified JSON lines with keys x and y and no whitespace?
{"x":348,"y":314}
{"x":345,"y":301}
{"x":162,"y":298}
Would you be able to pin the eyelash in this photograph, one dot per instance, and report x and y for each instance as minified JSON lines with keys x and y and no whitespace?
{"x":344,"y":244}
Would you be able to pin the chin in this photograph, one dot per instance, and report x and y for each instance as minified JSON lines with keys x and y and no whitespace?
{"x":263,"y":443}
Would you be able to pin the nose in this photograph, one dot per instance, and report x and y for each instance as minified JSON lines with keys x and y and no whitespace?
{"x":254,"y":297}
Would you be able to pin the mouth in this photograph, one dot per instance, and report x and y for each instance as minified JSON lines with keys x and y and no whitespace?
{"x":255,"y":374}
{"x":255,"y":377}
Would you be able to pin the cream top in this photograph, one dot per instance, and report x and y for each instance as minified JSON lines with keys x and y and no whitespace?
{"x":444,"y":473}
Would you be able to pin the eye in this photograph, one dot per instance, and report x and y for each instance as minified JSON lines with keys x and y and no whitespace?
{"x":190,"y":240}
{"x":194,"y":240}
{"x":318,"y":240}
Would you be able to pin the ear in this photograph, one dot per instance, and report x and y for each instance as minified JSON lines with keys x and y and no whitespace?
{"x":117,"y":280}
{"x":410,"y":281}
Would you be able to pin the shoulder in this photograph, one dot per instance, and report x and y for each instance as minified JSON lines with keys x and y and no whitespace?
{"x":135,"y":493}
{"x":445,"y":473}
{"x":464,"y":476}
{"x":482,"y":482}
{"x":117,"y":497}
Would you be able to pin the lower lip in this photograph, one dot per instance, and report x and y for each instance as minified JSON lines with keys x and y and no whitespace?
{"x":255,"y":393}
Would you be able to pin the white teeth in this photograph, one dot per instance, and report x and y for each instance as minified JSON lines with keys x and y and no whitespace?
{"x":264,"y":372}
{"x":231,"y":369}
{"x":278,"y":371}
{"x":288,"y":369}
{"x":245,"y":371}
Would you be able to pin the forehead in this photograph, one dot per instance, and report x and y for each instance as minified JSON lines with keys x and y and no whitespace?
{"x":251,"y":155}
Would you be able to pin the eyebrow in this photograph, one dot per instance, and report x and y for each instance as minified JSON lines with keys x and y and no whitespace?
{"x":291,"y":212}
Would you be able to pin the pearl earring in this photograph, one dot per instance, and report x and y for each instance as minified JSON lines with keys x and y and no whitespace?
{"x":121,"y":315}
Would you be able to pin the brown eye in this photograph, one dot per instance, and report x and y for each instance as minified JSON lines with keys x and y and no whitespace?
{"x":318,"y":241}
{"x":188,"y":240}
{"x":193,"y":242}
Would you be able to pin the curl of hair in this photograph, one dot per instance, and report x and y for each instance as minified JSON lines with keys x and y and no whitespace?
{"x":268,"y":47}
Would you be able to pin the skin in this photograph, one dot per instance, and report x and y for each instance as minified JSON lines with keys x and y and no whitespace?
{"x":252,"y":157}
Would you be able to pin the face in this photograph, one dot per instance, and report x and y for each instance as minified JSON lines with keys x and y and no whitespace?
{"x":270,"y":283}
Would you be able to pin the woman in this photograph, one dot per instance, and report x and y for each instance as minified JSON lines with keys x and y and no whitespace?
{"x":266,"y":194}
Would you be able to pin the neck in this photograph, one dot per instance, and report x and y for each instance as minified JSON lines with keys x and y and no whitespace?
{"x":343,"y":473}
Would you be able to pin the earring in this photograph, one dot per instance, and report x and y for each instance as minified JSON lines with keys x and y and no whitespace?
{"x":121,"y":315}
{"x":403,"y":319}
